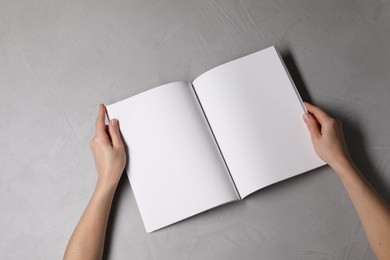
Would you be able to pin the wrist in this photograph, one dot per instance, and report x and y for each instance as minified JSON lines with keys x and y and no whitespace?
{"x":109,"y":178}
{"x":342,"y":166}
{"x":339,"y":161}
{"x":106,"y":186}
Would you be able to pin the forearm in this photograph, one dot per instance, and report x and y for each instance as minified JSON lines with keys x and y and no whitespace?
{"x":373,"y":211}
{"x":87,"y":241}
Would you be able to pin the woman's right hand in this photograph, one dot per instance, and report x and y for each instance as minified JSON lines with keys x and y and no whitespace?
{"x":327,"y":136}
{"x":329,"y":143}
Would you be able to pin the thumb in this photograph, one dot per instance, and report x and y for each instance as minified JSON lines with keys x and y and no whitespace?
{"x":313,"y":126}
{"x":114,"y":133}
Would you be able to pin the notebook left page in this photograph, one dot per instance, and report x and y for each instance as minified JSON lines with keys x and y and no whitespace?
{"x":174,"y":167}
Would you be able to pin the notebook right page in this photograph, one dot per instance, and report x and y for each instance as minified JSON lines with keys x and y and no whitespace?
{"x":255,"y":113}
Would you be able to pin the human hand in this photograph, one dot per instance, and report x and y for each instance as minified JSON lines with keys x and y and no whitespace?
{"x":327,"y":136}
{"x":329,"y":143}
{"x":108,"y":150}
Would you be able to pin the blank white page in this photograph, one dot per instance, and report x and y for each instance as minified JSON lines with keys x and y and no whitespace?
{"x":175,"y":168}
{"x":256,"y":115}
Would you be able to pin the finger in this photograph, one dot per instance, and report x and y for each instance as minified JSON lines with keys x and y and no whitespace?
{"x":319,"y":114}
{"x":100,"y":121}
{"x":114,"y":133}
{"x":313,"y":126}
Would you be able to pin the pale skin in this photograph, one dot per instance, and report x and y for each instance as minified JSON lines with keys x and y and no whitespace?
{"x":87,"y":240}
{"x":328,"y":141}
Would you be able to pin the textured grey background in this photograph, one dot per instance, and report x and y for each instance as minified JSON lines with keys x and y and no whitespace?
{"x":60,"y":59}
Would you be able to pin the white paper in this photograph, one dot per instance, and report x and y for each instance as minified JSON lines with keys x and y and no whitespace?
{"x":175,"y":168}
{"x":256,"y":116}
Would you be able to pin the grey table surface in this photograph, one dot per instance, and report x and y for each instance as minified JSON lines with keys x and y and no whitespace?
{"x":60,"y":59}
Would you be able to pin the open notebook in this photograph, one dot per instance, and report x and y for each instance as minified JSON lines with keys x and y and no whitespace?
{"x":236,"y":129}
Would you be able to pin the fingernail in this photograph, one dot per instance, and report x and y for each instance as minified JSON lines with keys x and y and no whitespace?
{"x":306,"y":117}
{"x":114,"y":122}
